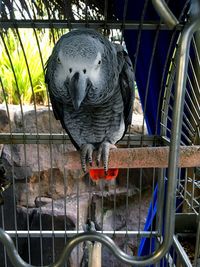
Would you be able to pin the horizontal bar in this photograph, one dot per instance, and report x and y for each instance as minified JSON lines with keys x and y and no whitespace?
{"x":59,"y":233}
{"x":29,"y":138}
{"x":144,"y":157}
{"x":46,"y":138}
{"x":64,"y":24}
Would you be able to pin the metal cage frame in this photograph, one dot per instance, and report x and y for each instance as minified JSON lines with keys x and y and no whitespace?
{"x":166,"y":239}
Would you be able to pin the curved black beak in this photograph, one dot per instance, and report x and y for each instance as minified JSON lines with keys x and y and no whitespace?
{"x":77,"y":89}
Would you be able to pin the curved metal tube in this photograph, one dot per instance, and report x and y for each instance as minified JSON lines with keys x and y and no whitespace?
{"x":17,"y":261}
{"x":165,"y":13}
{"x":180,"y":88}
{"x":182,"y":64}
{"x":13,"y":255}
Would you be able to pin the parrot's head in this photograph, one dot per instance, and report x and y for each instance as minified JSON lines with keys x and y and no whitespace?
{"x":80,"y":67}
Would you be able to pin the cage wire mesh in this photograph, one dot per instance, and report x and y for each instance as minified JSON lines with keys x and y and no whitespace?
{"x":44,"y":203}
{"x":188,"y":179}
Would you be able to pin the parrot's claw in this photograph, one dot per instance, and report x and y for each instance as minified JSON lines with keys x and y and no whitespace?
{"x":103,"y":152}
{"x":86,"y":154}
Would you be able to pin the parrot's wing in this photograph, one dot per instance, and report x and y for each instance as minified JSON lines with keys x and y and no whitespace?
{"x":57,"y":106}
{"x":126,"y":80}
{"x":58,"y":111}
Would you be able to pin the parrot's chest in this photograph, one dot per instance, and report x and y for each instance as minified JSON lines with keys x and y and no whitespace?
{"x":91,"y":124}
{"x":92,"y":117}
{"x":95,"y":123}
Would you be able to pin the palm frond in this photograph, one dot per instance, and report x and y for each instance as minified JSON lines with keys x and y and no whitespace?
{"x":56,"y":9}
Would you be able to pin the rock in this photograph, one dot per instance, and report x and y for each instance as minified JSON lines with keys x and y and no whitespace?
{"x":8,"y":209}
{"x":51,"y":183}
{"x":14,"y":171}
{"x":122,"y":218}
{"x":28,"y":119}
{"x":41,"y":121}
{"x":1,"y":150}
{"x":138,"y":118}
{"x":41,"y":201}
{"x":4,"y":121}
{"x":43,"y":250}
{"x":36,"y":157}
{"x":63,"y":214}
{"x":137,"y":124}
{"x":137,"y":178}
{"x":7,"y":221}
{"x":69,"y":208}
{"x":108,"y":259}
{"x":137,"y":107}
{"x":47,"y":195}
{"x":47,"y":183}
{"x":30,"y":158}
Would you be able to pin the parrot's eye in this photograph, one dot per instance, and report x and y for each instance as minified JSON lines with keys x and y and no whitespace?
{"x":99,"y":62}
{"x":84,"y":71}
{"x":58,"y":60}
{"x":70,"y":70}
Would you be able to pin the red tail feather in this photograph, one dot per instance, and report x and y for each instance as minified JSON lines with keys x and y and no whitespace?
{"x":97,"y":174}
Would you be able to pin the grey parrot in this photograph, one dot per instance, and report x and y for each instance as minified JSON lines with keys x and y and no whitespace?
{"x":91,"y":87}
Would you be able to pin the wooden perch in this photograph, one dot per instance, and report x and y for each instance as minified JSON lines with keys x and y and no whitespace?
{"x":145,"y":157}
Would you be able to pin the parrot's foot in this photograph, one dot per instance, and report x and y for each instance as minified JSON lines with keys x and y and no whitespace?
{"x":86,"y":154}
{"x":103,"y":152}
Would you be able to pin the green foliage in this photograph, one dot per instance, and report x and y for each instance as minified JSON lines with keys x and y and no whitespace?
{"x":18,"y":85}
{"x":56,"y":9}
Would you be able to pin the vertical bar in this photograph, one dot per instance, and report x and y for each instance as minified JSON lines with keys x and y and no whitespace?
{"x":144,"y":10}
{"x":11,"y":146}
{"x":90,"y":214}
{"x":128,"y":141}
{"x":78,"y":218}
{"x":10,"y":128}
{"x":181,"y":17}
{"x":36,"y":122}
{"x":176,"y":127}
{"x":105,"y":15}
{"x":197,"y":247}
{"x":86,"y":13}
{"x":127,"y":205}
{"x":3,"y":227}
{"x":65,"y":205}
{"x":186,"y":184}
{"x":160,"y":199}
{"x":124,"y":19}
{"x":139,"y":207}
{"x":152,"y":213}
{"x":27,"y":206}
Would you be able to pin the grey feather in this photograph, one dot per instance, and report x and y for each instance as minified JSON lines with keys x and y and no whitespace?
{"x":91,"y":87}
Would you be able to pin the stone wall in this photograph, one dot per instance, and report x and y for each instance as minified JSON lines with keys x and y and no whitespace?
{"x":44,"y":194}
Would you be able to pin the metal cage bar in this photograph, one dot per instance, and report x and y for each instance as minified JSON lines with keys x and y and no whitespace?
{"x":175,"y":153}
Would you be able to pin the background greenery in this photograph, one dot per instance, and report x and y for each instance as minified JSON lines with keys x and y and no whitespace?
{"x":21,"y":63}
{"x":22,"y":66}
